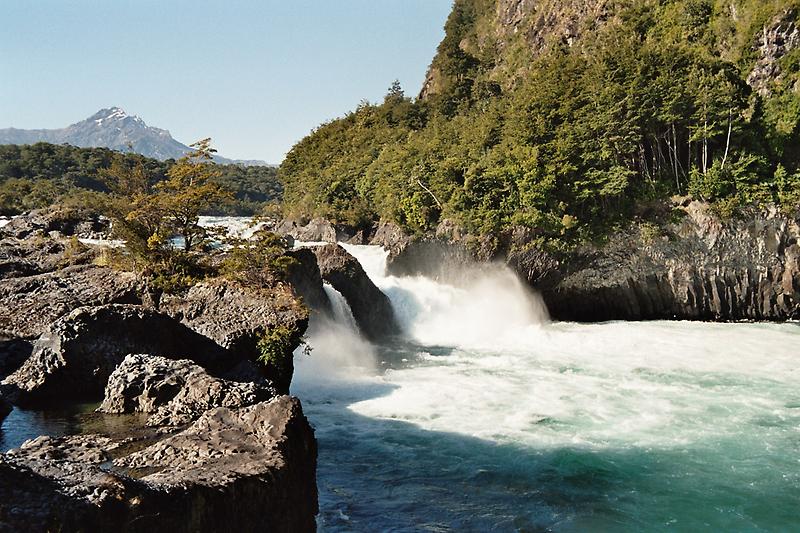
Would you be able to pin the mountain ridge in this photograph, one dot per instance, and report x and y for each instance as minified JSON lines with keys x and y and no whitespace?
{"x":114,"y":128}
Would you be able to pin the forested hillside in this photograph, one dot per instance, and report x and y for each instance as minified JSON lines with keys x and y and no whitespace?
{"x":571,"y":117}
{"x":40,"y":174}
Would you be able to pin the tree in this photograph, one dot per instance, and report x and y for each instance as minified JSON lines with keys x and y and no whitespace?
{"x":395,"y":93}
{"x":175,"y":206}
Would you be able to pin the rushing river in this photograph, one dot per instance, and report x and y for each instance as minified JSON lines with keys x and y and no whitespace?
{"x":486,"y":417}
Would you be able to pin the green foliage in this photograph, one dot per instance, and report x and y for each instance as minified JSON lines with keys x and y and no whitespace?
{"x":649,"y":233}
{"x":275,"y":346}
{"x":259,"y":261}
{"x":566,"y":140}
{"x":38,"y":175}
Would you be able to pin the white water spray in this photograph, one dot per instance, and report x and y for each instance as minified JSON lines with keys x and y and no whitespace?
{"x":600,"y":414}
{"x":338,"y":349}
{"x":487,"y":310}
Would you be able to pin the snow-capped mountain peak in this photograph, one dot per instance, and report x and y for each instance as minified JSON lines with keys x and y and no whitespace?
{"x":112,"y":128}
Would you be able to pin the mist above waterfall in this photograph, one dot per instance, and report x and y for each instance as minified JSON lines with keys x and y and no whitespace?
{"x":481,"y":305}
{"x":337,"y":348}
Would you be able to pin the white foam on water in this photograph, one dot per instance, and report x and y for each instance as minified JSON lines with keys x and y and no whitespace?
{"x":630,"y":426}
{"x":242,"y":227}
{"x":507,"y":375}
{"x":645,"y":385}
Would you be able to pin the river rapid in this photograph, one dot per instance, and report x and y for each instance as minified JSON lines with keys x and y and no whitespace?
{"x":485,"y":416}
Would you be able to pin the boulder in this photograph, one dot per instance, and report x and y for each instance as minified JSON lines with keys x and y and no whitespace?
{"x":236,"y":317}
{"x":371,"y":308}
{"x":319,"y":230}
{"x":58,"y":221}
{"x":305,"y":279}
{"x":38,"y":255}
{"x":31,"y":304}
{"x":391,"y":237}
{"x":175,"y":392}
{"x":434,"y":258}
{"x":248,"y":469}
{"x":75,"y":356}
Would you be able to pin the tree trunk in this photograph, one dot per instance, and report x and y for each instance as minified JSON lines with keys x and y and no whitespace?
{"x":728,"y":142}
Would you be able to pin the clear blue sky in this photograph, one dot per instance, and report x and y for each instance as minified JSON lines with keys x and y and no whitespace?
{"x":256,"y":76}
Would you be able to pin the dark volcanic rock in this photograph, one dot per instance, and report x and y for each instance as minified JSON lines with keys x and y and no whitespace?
{"x":13,"y":352}
{"x":65,"y":222}
{"x":371,"y":308}
{"x":305,"y":279}
{"x":431,"y":257}
{"x":236,"y":316}
{"x":175,"y":392}
{"x":391,"y":237}
{"x":320,"y":230}
{"x":30,"y":304}
{"x":317,"y":230}
{"x":699,"y":268}
{"x":249,"y":469}
{"x":75,"y":356}
{"x":449,"y":255}
{"x":5,"y":408}
{"x":38,"y":255}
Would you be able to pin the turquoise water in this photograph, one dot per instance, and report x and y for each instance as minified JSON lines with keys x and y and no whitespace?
{"x":489,"y":422}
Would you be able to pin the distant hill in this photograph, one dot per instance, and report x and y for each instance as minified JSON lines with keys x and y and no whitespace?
{"x":113,"y":128}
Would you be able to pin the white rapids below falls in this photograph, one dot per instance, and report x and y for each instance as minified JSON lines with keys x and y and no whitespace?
{"x":486,"y":416}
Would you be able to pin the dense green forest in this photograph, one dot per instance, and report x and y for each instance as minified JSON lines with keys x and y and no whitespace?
{"x":653,"y":99}
{"x":41,"y":174}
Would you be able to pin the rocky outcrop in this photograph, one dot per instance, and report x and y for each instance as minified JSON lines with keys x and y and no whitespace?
{"x":37,"y":255}
{"x":449,"y":254}
{"x":316,"y":230}
{"x":305,"y":279}
{"x":699,"y":268}
{"x":31,"y":304}
{"x":75,"y":356}
{"x":175,"y":392}
{"x":57,"y":222}
{"x":506,"y":36}
{"x":391,"y":237}
{"x":779,"y":37}
{"x":321,"y":230}
{"x":248,"y":469}
{"x":236,"y":317}
{"x":371,"y":308}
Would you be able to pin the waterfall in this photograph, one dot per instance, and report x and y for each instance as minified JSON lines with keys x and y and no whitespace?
{"x":342,"y":315}
{"x":490,"y":307}
{"x":338,"y":349}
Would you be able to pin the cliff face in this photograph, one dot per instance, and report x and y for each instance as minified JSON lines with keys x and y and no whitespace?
{"x":500,"y":38}
{"x":698,"y":268}
{"x":503,"y":36}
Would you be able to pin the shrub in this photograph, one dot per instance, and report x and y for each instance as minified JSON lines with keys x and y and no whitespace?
{"x":259,"y":261}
